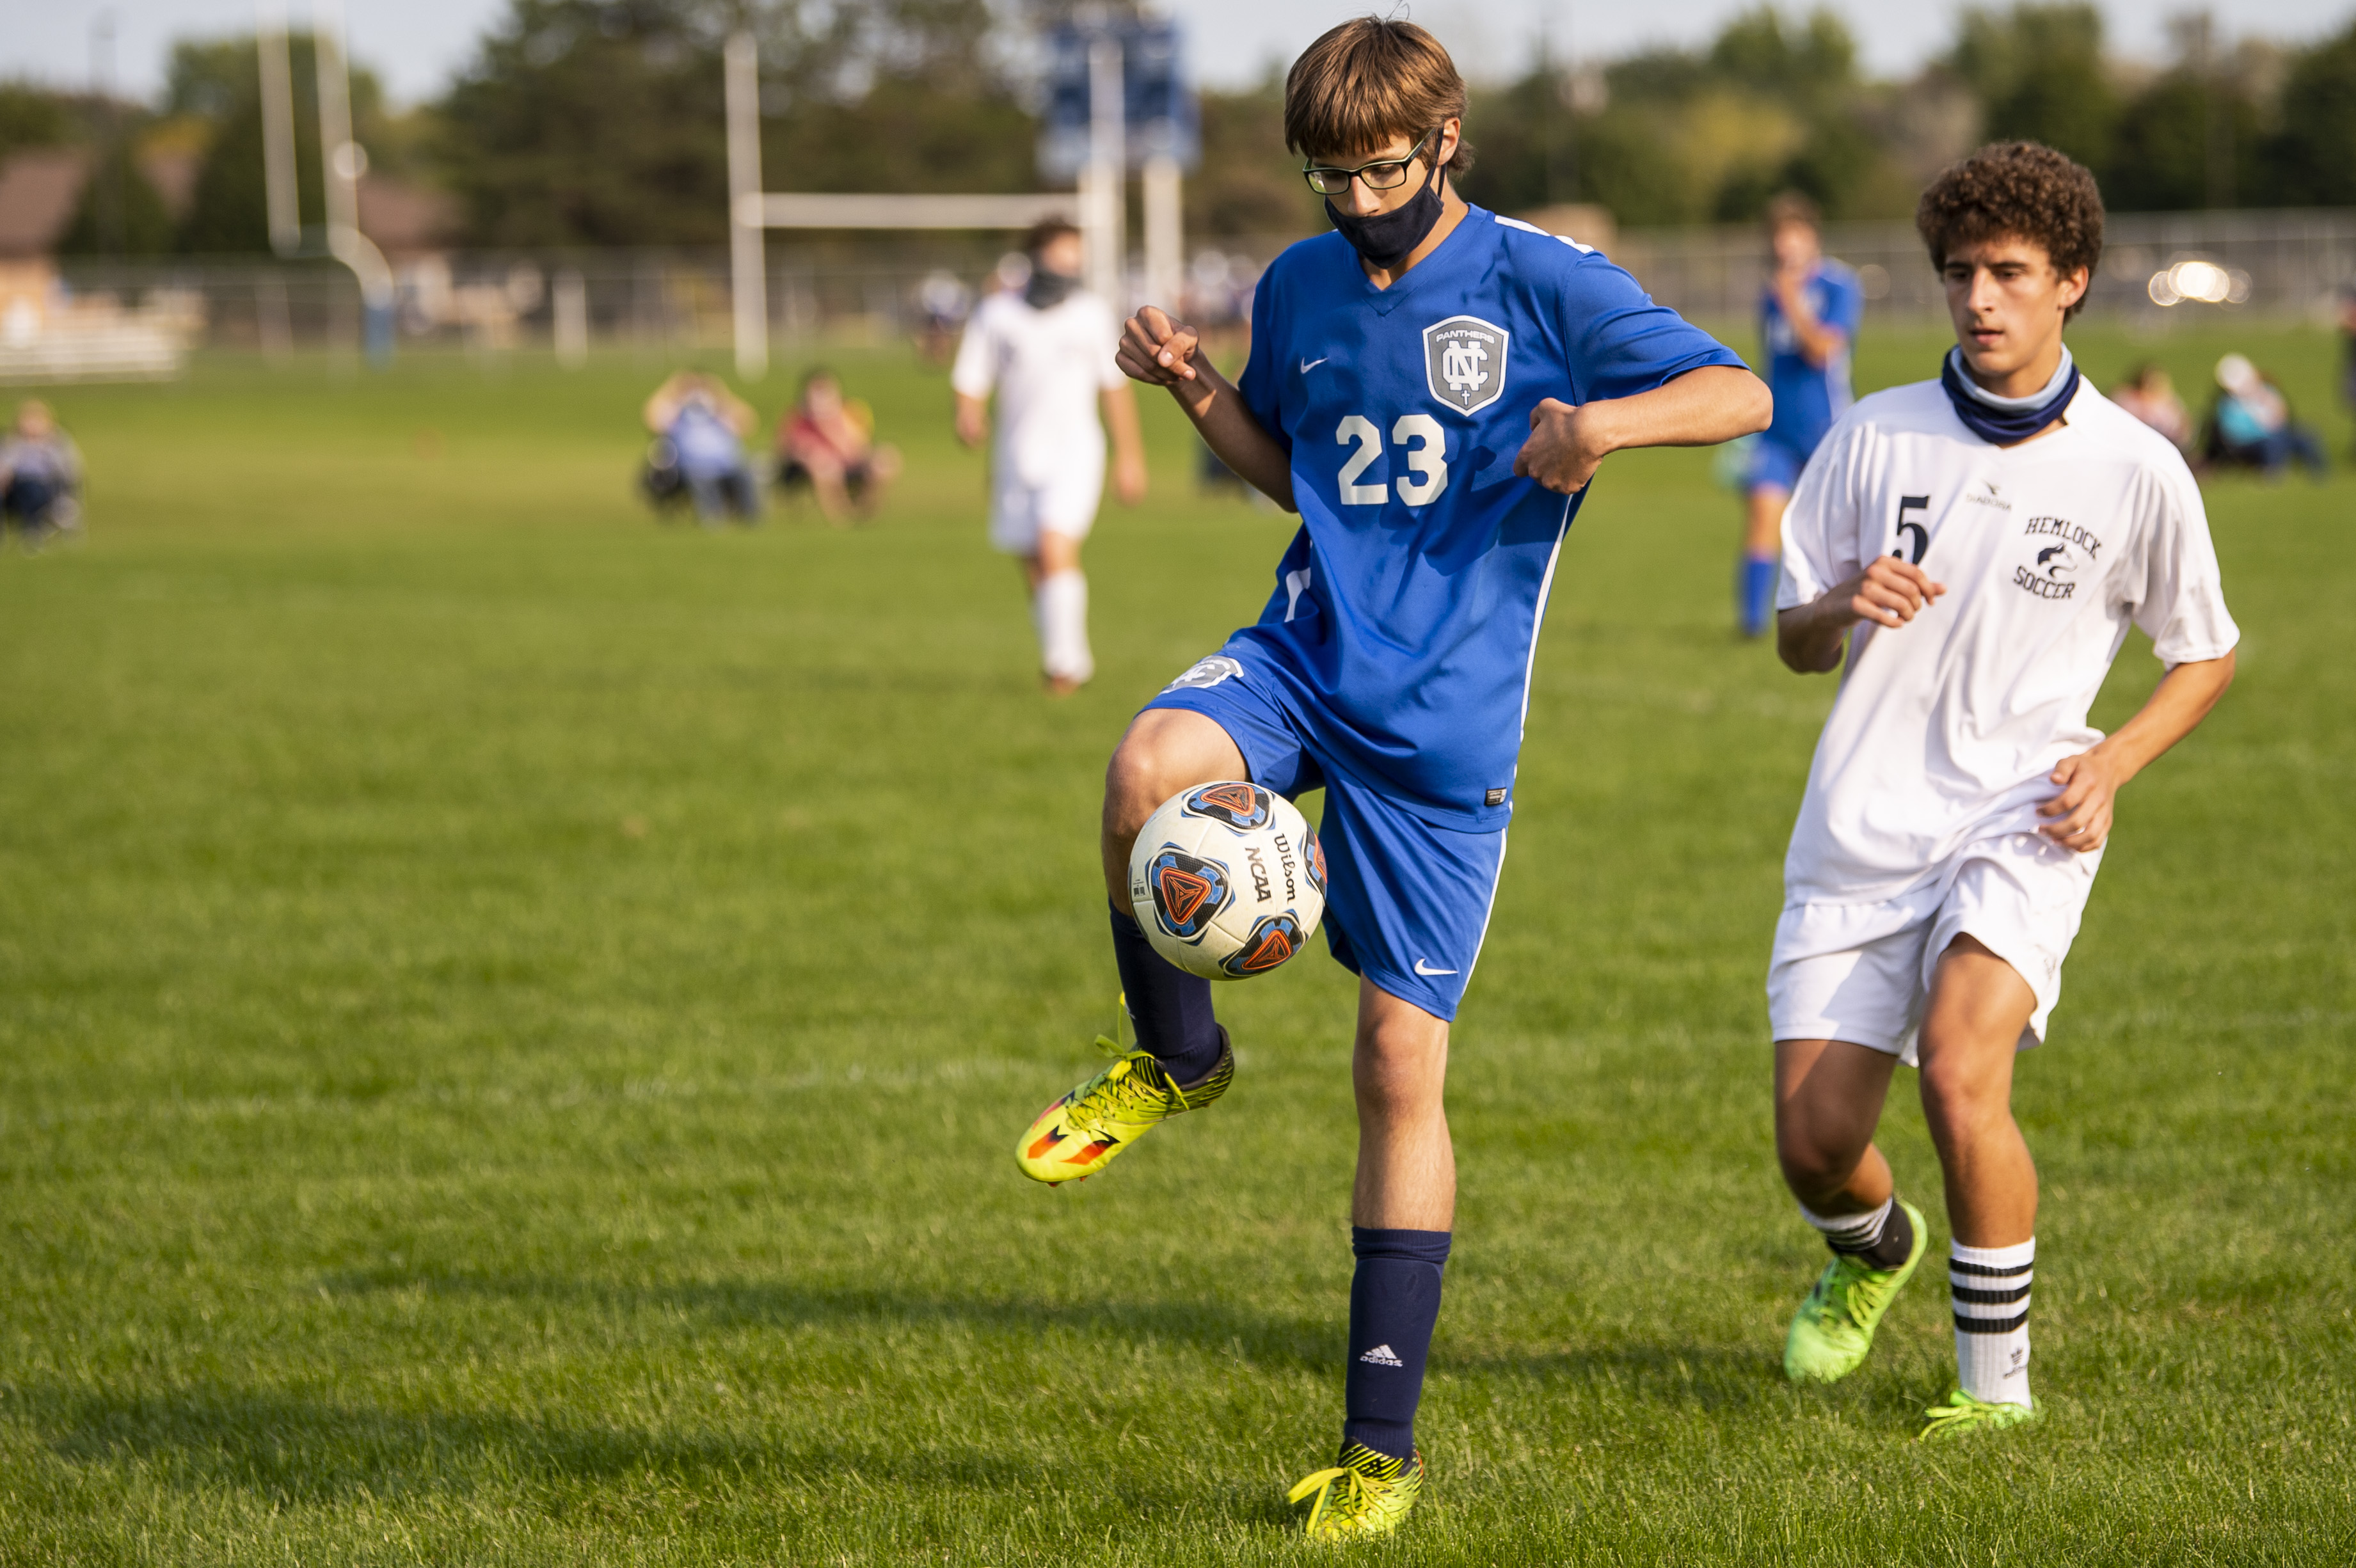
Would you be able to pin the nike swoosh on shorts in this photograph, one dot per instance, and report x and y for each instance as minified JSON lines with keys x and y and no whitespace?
{"x":1427,"y":972}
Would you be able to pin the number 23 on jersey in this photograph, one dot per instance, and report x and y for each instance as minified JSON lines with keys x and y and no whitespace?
{"x":1423,"y":452}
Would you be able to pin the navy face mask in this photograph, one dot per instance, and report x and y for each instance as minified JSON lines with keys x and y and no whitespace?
{"x":2002,"y":426}
{"x":1047,"y":289}
{"x":1385,"y":238}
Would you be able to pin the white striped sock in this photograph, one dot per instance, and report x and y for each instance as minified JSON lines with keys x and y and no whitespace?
{"x":1852,"y":1232}
{"x":1990,"y":1288}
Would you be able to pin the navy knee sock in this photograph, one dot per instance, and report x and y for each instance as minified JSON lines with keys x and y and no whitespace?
{"x":1755,"y":594}
{"x":1393,"y":1302}
{"x":1170,"y":1008}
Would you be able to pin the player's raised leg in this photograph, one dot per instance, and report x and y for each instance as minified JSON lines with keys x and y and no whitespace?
{"x":1402,"y":1211}
{"x":1829,"y":1099}
{"x":1181,"y":1061}
{"x":1978,"y":1010}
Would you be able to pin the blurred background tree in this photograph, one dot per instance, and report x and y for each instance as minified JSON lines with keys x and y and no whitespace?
{"x":599,"y":121}
{"x":217,"y":84}
{"x":2310,"y":158}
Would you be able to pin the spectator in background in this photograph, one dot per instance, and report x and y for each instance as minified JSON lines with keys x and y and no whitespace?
{"x":1047,"y":353}
{"x":827,"y":442}
{"x":1807,"y":324}
{"x":2251,"y":423}
{"x":944,"y":302}
{"x":41,"y":475}
{"x":2150,"y":396}
{"x":2348,"y":346}
{"x":700,"y":427}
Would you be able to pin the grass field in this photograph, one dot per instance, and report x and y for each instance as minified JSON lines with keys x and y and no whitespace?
{"x":513,"y":1021}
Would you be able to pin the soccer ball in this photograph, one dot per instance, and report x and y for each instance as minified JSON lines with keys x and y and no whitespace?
{"x":1227,"y":879}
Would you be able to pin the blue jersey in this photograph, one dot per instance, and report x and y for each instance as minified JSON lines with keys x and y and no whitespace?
{"x":1808,"y":398}
{"x":1405,"y":613}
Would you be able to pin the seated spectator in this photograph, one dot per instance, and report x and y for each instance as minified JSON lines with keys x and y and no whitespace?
{"x":2251,"y":424}
{"x":2149,"y":395}
{"x":827,"y":442}
{"x":700,"y":429}
{"x":41,"y":476}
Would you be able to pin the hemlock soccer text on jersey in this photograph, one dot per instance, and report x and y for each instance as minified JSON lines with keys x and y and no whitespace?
{"x":2043,"y":588}
{"x":2068,"y":532}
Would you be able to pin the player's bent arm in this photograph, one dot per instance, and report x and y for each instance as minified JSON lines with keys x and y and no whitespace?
{"x":1889,"y":592}
{"x":1819,"y":343}
{"x":1128,"y":444}
{"x":1701,"y":408}
{"x":972,"y":420}
{"x":1160,"y":352}
{"x":2080,"y":816}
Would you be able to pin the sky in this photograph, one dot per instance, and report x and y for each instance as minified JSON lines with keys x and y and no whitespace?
{"x":415,"y":45}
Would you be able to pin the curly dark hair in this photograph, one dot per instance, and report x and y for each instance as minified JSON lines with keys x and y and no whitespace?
{"x":2021,"y":190}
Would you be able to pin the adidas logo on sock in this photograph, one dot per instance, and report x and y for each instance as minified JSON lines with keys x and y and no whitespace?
{"x":1383,"y":1356}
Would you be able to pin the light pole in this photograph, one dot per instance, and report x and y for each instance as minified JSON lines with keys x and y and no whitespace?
{"x":343,"y":162}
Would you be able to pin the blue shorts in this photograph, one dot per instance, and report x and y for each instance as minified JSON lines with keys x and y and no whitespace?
{"x":1406,"y":901}
{"x":1773,"y":467}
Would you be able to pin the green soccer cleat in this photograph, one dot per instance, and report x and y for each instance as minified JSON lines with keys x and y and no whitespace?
{"x":1082,"y":1133}
{"x":1962,"y":1414}
{"x":1834,"y":1328}
{"x":1368,"y":1495}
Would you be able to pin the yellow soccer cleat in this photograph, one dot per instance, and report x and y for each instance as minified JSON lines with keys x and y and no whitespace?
{"x":1082,"y":1133}
{"x":1368,"y":1495}
{"x":1959,"y":1414}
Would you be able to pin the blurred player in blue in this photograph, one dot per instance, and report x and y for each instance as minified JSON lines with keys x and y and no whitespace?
{"x":1430,"y":387}
{"x":1808,"y":324}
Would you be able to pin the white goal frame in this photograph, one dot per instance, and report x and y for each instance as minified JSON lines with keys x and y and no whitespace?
{"x":752,"y":211}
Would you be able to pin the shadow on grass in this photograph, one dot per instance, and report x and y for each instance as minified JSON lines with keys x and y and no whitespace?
{"x":1691,"y":1376}
{"x":1210,"y":1326}
{"x":293,"y":1449}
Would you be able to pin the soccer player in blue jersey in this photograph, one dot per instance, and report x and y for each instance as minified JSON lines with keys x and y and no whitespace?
{"x":1430,"y":387}
{"x":1807,"y":324}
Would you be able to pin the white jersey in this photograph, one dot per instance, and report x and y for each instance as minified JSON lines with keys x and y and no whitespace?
{"x":1947,"y":728}
{"x":1048,"y":367}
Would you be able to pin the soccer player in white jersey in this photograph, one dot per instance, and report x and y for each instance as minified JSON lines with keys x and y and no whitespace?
{"x":1047,"y":354}
{"x":1978,"y":546}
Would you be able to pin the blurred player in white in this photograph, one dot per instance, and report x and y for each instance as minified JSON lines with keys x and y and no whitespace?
{"x":1979,"y":546}
{"x":1047,"y":354}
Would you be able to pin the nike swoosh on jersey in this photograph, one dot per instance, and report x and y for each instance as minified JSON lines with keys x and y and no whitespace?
{"x":1308,"y":365}
{"x":1428,"y":972}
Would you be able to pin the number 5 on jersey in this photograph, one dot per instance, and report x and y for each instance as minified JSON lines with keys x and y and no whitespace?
{"x":1425,"y":445}
{"x":1913,"y":537}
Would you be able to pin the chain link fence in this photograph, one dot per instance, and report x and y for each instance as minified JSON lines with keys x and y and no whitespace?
{"x":2280,"y":265}
{"x":2156,"y":270}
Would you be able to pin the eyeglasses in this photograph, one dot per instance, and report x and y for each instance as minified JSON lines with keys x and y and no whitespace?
{"x":1389,"y":174}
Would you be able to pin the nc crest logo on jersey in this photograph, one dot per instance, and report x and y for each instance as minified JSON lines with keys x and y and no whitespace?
{"x":1188,"y":892}
{"x":1209,"y":671}
{"x":1464,"y":362}
{"x":1237,"y":805}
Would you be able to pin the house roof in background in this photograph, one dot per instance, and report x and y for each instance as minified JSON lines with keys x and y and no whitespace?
{"x":38,"y":191}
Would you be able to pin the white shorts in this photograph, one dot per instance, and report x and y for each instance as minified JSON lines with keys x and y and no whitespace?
{"x":1066,"y":503}
{"x":1862,"y":972}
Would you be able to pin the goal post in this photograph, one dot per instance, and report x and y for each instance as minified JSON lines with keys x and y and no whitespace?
{"x":752,"y":211}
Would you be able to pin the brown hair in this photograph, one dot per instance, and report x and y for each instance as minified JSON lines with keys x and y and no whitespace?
{"x":2020,"y":190}
{"x":1366,"y":82}
{"x":1789,"y":206}
{"x":1045,"y":232}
